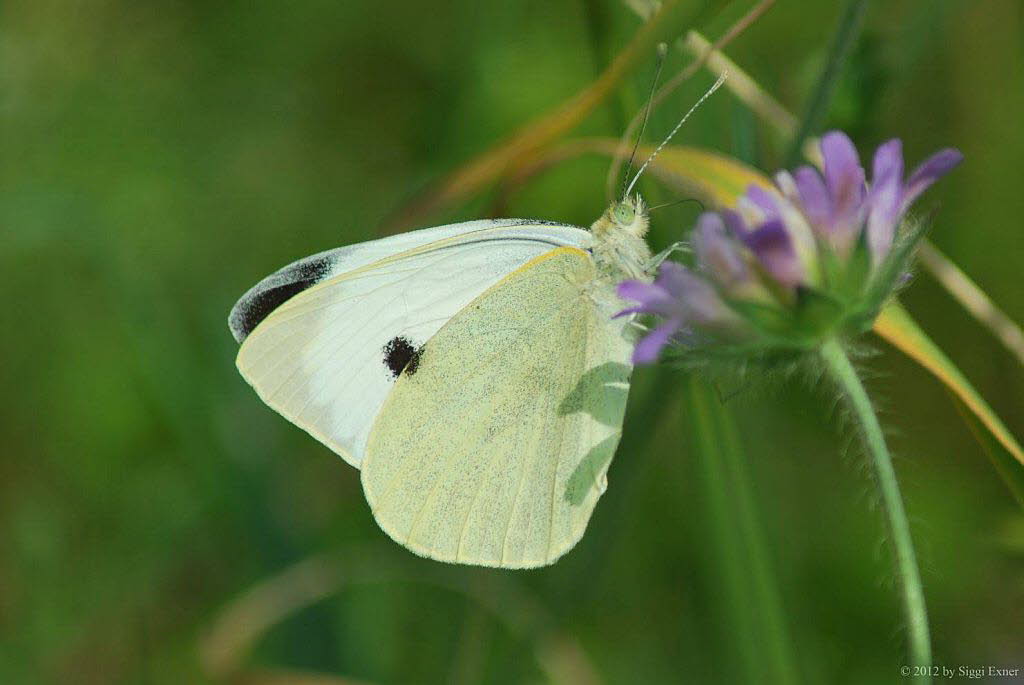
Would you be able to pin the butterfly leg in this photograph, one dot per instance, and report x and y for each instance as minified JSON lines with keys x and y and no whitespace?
{"x":657,"y":259}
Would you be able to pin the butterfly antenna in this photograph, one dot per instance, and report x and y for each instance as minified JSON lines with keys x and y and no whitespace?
{"x":705,"y":96}
{"x":678,"y":202}
{"x":662,"y":52}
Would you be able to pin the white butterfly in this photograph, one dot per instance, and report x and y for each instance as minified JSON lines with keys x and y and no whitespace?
{"x":472,"y":372}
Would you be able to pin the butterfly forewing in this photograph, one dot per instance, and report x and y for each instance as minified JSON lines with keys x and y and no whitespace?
{"x":324,"y":339}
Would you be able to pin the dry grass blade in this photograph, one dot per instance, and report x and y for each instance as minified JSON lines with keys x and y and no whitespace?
{"x":1002,"y":460}
{"x":742,"y":85}
{"x":668,"y":23}
{"x":747,"y":90}
{"x":712,"y":177}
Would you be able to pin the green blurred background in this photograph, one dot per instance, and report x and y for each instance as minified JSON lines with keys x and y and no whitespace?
{"x":160,"y":157}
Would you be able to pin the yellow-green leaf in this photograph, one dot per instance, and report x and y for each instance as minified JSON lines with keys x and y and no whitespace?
{"x":897,"y":327}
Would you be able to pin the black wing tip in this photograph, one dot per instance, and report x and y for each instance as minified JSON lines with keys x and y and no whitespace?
{"x":263,"y":298}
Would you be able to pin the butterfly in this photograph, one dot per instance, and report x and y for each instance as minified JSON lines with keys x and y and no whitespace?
{"x":473,"y":373}
{"x":476,"y":374}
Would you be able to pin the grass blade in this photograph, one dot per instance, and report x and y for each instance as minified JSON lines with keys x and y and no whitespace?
{"x":846,"y":35}
{"x":751,"y":601}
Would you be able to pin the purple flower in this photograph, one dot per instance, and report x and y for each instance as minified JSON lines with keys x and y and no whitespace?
{"x":796,"y":235}
{"x":841,"y":206}
{"x":679,"y":296}
{"x":786,"y":226}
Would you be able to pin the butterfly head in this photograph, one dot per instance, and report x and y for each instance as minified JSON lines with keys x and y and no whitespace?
{"x":628,"y":214}
{"x":619,"y":246}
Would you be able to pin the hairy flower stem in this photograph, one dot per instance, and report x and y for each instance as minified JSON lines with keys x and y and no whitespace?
{"x":845,"y":376}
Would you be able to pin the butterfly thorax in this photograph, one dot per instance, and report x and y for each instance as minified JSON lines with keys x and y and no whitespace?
{"x":619,"y":248}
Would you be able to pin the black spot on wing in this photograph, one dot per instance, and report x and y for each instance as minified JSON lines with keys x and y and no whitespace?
{"x":401,"y":355}
{"x":273,"y":291}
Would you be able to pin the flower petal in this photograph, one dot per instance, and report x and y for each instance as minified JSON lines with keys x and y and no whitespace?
{"x":786,"y":184}
{"x":888,"y":160}
{"x":773,"y":247}
{"x":844,"y":175}
{"x":814,"y":197}
{"x":673,"y":278}
{"x":929,"y":171}
{"x":629,"y":310}
{"x":734,"y":223}
{"x":664,"y":297}
{"x":700,"y":302}
{"x":763,"y":199}
{"x":717,"y":254}
{"x":641,"y":291}
{"x":884,"y":199}
{"x":651,"y":298}
{"x":648,"y":349}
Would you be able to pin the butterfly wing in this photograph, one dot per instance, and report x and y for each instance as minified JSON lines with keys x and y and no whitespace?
{"x":324,"y":338}
{"x":494,"y":452}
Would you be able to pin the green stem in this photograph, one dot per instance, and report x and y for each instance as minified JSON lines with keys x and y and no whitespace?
{"x":846,"y":378}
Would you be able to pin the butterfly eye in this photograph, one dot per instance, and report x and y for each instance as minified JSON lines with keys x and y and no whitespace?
{"x":623,"y":214}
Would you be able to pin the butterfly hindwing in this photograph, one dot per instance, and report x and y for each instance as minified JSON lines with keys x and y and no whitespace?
{"x":495,"y":450}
